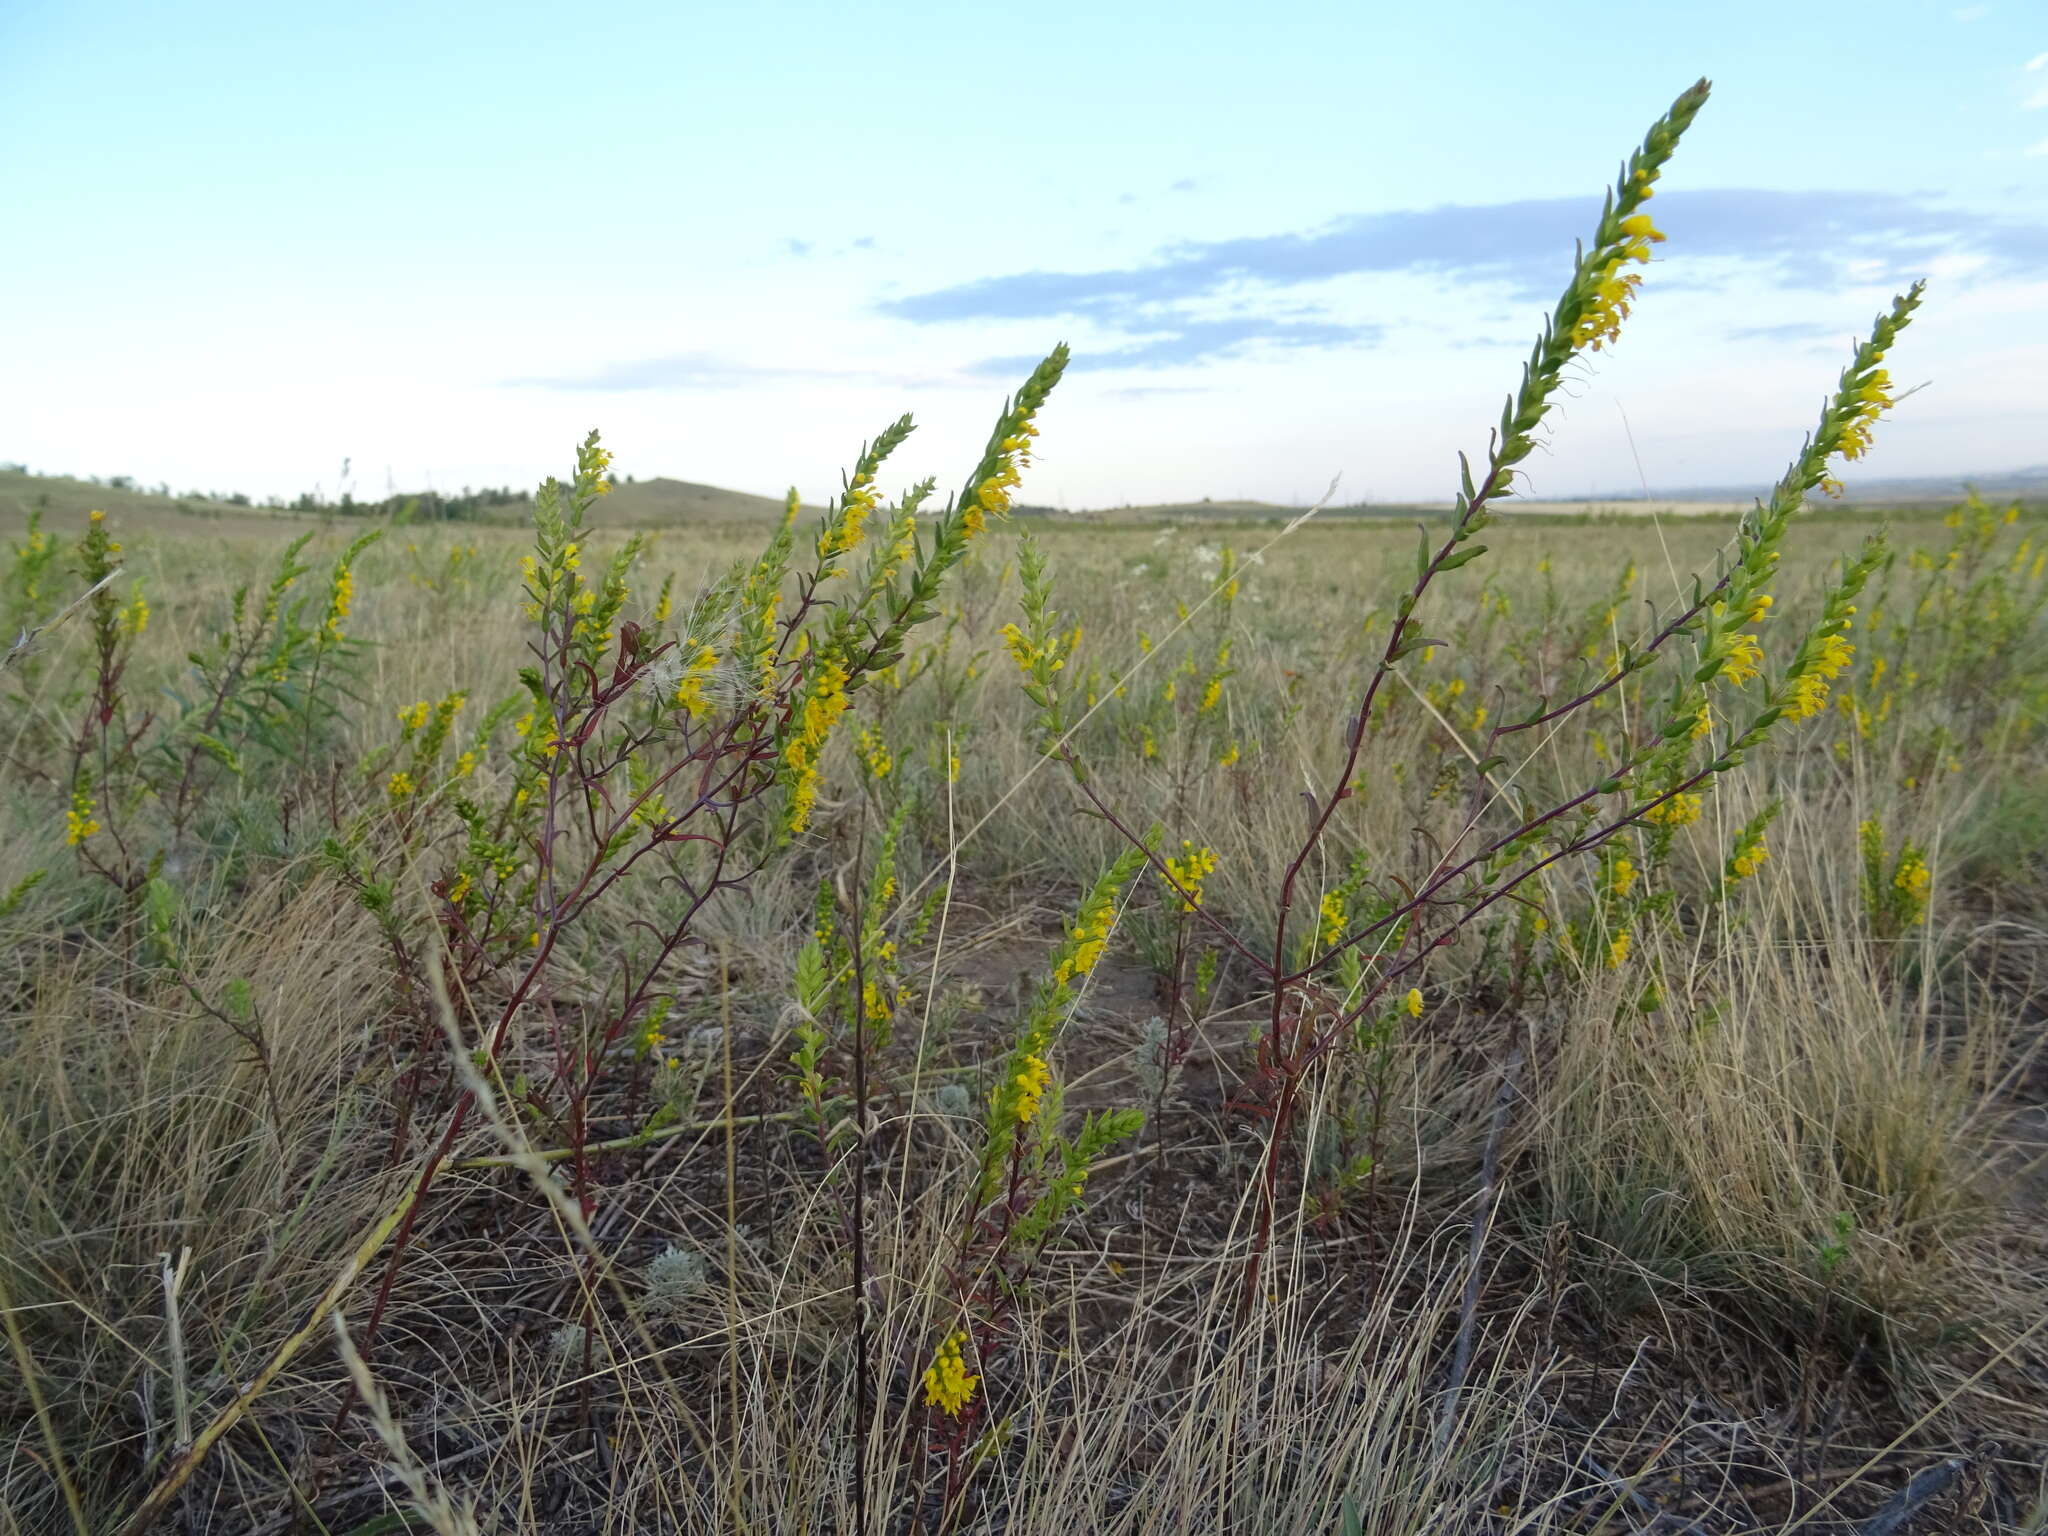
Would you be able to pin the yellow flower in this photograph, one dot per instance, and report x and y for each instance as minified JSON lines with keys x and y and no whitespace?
{"x":1617,"y":950}
{"x":415,"y":717}
{"x":1621,"y":877}
{"x":135,"y":619}
{"x":1810,"y":688}
{"x":1748,"y":860}
{"x":399,"y":785}
{"x":1869,"y":402}
{"x":79,"y":821}
{"x":1912,"y":879}
{"x":465,"y":765}
{"x":1332,"y":928}
{"x":947,"y":1385}
{"x":1033,"y":1077}
{"x":458,"y":889}
{"x":1188,"y":871}
{"x":844,"y":535}
{"x":1743,"y":658}
{"x":1678,"y":811}
{"x":873,"y":752}
{"x":690,"y":696}
{"x":1230,"y":755}
{"x":1412,"y":1003}
{"x":1027,"y":655}
{"x":1613,"y":289}
{"x":1091,"y":935}
{"x":1809,"y":697}
{"x":339,"y":603}
{"x":825,"y":702}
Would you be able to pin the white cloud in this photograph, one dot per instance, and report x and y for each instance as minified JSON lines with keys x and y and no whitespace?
{"x":2038,"y":61}
{"x":2038,"y":100}
{"x":2036,"y":151}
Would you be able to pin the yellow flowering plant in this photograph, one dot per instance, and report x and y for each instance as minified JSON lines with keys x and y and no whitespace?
{"x":850,"y":977}
{"x":651,"y":761}
{"x":1657,"y":764}
{"x":106,"y":767}
{"x":1896,"y":886}
{"x":1748,"y":850}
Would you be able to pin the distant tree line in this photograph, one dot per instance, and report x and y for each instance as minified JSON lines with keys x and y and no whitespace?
{"x":462,"y":506}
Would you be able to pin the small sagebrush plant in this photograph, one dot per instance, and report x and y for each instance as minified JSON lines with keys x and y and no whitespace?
{"x":1722,"y":697}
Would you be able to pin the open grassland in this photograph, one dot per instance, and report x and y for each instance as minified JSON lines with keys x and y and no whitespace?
{"x":1691,"y":1189}
{"x":882,"y":1022}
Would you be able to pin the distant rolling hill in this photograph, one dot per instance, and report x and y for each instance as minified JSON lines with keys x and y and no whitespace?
{"x":62,"y":499}
{"x":684,"y":501}
{"x":642,"y":503}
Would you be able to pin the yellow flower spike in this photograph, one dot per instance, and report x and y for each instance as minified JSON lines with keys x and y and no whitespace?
{"x":1332,"y":927}
{"x":1809,"y":690}
{"x":1618,"y":948}
{"x":1913,"y":880}
{"x":947,"y":1384}
{"x":79,"y":821}
{"x":340,"y":602}
{"x":1188,"y":871}
{"x":690,"y":694}
{"x":1748,"y":861}
{"x":1678,"y":811}
{"x":825,"y":702}
{"x":1412,"y":1003}
{"x":1033,"y":1078}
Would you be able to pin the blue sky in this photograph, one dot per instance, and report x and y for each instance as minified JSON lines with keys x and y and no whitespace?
{"x":249,"y":241}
